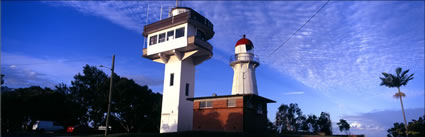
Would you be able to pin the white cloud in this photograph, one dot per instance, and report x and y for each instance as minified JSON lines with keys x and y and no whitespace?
{"x":12,"y":66}
{"x":356,"y":124}
{"x":294,"y":93}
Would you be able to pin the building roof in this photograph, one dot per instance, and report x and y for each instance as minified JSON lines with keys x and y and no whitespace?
{"x":238,"y":95}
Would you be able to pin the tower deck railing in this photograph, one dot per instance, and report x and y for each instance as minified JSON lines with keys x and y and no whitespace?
{"x":244,"y":57}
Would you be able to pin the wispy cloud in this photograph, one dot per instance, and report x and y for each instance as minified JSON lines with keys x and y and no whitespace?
{"x":24,"y":71}
{"x":346,"y":46}
{"x":294,"y":93}
{"x":128,"y":14}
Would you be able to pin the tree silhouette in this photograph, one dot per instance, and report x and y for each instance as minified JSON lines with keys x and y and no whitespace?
{"x":325,"y":123}
{"x":396,"y":81}
{"x":2,"y":80}
{"x":288,"y":118}
{"x":416,"y":128}
{"x":90,"y":90}
{"x":135,"y":108}
{"x":343,"y":126}
{"x":312,"y":122}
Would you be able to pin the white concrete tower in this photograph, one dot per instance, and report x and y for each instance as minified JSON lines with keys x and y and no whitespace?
{"x":244,"y":63}
{"x":179,"y":42}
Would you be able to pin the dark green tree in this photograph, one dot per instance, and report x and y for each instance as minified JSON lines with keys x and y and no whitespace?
{"x":288,"y":118}
{"x":133,"y":107}
{"x":24,"y":106}
{"x":325,"y":123}
{"x":302,"y":122}
{"x":396,"y":81}
{"x":398,"y":130}
{"x":282,"y":121}
{"x":312,"y":122}
{"x":90,"y":91}
{"x":416,"y":129}
{"x":343,"y":126}
{"x":2,"y":80}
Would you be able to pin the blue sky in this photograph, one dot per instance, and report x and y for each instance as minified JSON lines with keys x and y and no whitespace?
{"x":331,"y":65}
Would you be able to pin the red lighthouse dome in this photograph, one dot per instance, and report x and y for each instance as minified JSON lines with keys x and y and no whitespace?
{"x":245,"y":41}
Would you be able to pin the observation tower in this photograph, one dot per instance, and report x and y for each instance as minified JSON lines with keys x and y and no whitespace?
{"x":180,"y":42}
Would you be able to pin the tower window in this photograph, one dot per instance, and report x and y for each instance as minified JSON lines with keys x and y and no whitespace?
{"x":171,"y":79}
{"x":187,"y":89}
{"x":179,"y":32}
{"x":231,"y":103}
{"x":170,"y":35}
{"x":161,"y":37}
{"x":152,"y":40}
{"x":205,"y":104}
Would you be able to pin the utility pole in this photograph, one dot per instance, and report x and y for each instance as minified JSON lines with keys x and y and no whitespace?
{"x":109,"y":98}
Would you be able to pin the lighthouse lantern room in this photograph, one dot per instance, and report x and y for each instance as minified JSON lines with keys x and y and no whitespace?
{"x":179,"y":42}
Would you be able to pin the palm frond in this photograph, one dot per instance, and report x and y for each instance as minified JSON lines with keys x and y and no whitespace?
{"x":405,"y":80}
{"x":403,"y":74}
{"x":400,"y":79}
{"x":387,"y":80}
{"x":398,"y":95}
{"x":398,"y":71}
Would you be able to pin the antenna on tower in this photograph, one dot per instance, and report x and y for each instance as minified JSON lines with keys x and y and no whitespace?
{"x":160,"y":13}
{"x":177,"y":3}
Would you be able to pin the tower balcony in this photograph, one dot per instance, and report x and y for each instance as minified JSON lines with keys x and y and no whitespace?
{"x":244,"y":58}
{"x":192,"y":17}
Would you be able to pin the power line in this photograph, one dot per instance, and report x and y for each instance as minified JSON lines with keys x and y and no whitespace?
{"x":299,"y":28}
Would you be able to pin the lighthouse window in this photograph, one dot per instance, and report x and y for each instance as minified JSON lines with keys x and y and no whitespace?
{"x":205,"y":104}
{"x":161,"y":37}
{"x":179,"y":32}
{"x":170,"y":35}
{"x":171,"y":79}
{"x":152,"y":40}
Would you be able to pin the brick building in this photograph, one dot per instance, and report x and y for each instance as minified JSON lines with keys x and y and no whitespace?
{"x":234,"y":113}
{"x":244,"y":110}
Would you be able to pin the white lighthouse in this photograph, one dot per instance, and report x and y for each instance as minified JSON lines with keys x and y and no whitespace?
{"x":244,"y":63}
{"x":179,"y":42}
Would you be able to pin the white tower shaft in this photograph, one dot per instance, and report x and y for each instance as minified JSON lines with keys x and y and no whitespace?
{"x":244,"y":80}
{"x":178,"y":85}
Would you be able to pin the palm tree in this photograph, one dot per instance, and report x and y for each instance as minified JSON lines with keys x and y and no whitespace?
{"x":397,"y":81}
